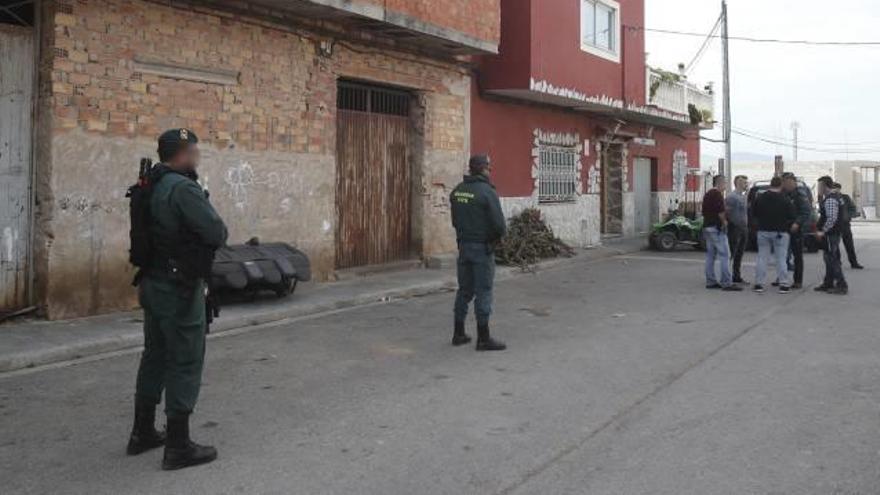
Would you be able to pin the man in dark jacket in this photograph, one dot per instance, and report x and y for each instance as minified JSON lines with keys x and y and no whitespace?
{"x":185,"y":230}
{"x":828,"y":234}
{"x":479,"y":224}
{"x":849,"y":212}
{"x":803,"y":216}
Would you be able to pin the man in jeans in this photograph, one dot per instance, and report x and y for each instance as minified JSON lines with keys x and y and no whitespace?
{"x":775,"y":214}
{"x":830,"y":214}
{"x":715,"y":235}
{"x":738,"y":226}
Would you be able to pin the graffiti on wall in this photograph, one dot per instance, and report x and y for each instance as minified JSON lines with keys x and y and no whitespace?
{"x":241,"y":182}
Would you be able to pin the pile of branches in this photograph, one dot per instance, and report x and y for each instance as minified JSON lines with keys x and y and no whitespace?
{"x":529,"y":240}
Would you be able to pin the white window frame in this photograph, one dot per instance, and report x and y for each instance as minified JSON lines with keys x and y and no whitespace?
{"x":613,"y":54}
{"x":558,"y":173}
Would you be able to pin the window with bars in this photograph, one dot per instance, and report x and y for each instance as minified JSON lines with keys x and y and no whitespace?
{"x":557,"y":173}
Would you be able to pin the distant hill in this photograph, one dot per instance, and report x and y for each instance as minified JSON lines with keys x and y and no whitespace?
{"x":709,"y":162}
{"x":747,"y":157}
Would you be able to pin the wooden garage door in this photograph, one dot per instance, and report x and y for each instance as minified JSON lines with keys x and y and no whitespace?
{"x":16,"y":94}
{"x":373,"y":189}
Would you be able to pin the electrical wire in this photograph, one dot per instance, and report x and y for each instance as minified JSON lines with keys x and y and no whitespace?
{"x":806,"y":148}
{"x":756,"y":40}
{"x":705,"y":46}
{"x":802,"y":141}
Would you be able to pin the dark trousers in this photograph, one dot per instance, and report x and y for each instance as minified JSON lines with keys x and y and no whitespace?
{"x":738,"y":238}
{"x":833,"y":267}
{"x":476,"y":277}
{"x":796,"y":247}
{"x":847,"y":236}
{"x":174,"y":344}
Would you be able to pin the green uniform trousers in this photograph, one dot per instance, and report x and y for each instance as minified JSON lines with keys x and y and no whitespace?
{"x":174,"y":343}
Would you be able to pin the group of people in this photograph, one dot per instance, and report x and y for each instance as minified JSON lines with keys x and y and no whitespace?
{"x":781,"y":216}
{"x":171,"y":280}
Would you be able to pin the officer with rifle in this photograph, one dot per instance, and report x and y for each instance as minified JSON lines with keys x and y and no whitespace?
{"x":175,"y":232}
{"x":479,"y":224}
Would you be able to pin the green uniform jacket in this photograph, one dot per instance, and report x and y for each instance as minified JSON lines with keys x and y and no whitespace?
{"x":476,"y":211}
{"x":183,"y":217}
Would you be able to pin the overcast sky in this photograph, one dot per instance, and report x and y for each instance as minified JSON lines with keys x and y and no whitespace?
{"x":834,"y":92}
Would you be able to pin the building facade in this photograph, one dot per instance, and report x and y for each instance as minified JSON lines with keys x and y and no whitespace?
{"x":578,"y":125}
{"x":337,"y":126}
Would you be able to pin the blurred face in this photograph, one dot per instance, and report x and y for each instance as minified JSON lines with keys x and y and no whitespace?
{"x":722,"y":184}
{"x":742,"y":184}
{"x":789,"y":184}
{"x":187,"y":158}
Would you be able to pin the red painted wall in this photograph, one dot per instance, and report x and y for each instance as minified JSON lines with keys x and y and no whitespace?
{"x":667,"y":144}
{"x":504,"y":129}
{"x":511,"y":68}
{"x":548,"y":41}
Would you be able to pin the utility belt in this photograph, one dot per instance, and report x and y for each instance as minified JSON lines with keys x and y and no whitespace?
{"x":171,"y":270}
{"x":488,"y":246}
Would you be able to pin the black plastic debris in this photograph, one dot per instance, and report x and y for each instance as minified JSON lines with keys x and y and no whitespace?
{"x":255,"y":267}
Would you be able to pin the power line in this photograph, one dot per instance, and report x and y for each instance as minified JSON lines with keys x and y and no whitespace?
{"x":705,"y":45}
{"x":802,"y":141}
{"x":817,"y":150}
{"x":756,"y":40}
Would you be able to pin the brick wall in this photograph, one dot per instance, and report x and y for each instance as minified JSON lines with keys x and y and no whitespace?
{"x":478,"y":18}
{"x":268,"y":135}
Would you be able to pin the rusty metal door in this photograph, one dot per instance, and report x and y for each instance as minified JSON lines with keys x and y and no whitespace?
{"x":374,"y":178}
{"x":16,"y":97}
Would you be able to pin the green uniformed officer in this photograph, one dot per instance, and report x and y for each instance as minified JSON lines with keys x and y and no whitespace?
{"x":185,"y":230}
{"x":479,"y":224}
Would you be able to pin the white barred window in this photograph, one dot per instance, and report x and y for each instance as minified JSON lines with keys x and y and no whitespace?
{"x":557,"y":173}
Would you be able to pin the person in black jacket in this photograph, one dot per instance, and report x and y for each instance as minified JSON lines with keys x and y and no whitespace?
{"x":803,"y":216}
{"x":479,"y":224}
{"x":849,"y":212}
{"x":775,"y":215}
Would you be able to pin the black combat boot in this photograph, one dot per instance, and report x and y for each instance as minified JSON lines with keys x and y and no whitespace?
{"x":485,"y":342}
{"x":460,"y":337}
{"x":144,"y":435}
{"x":180,"y":451}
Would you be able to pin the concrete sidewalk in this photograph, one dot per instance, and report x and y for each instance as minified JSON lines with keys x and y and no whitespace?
{"x":33,"y":343}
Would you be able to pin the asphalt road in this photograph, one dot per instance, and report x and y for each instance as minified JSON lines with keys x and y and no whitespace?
{"x":624,"y":376}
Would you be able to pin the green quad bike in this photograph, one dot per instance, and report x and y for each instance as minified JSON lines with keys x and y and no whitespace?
{"x":678,"y":229}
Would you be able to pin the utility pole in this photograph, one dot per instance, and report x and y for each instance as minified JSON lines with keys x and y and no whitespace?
{"x":795,"y":126}
{"x":728,"y":162}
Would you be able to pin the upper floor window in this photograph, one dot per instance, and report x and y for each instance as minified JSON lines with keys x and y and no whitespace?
{"x":600,"y":26}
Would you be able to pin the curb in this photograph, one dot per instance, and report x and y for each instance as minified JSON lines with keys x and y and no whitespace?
{"x":115,"y":343}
